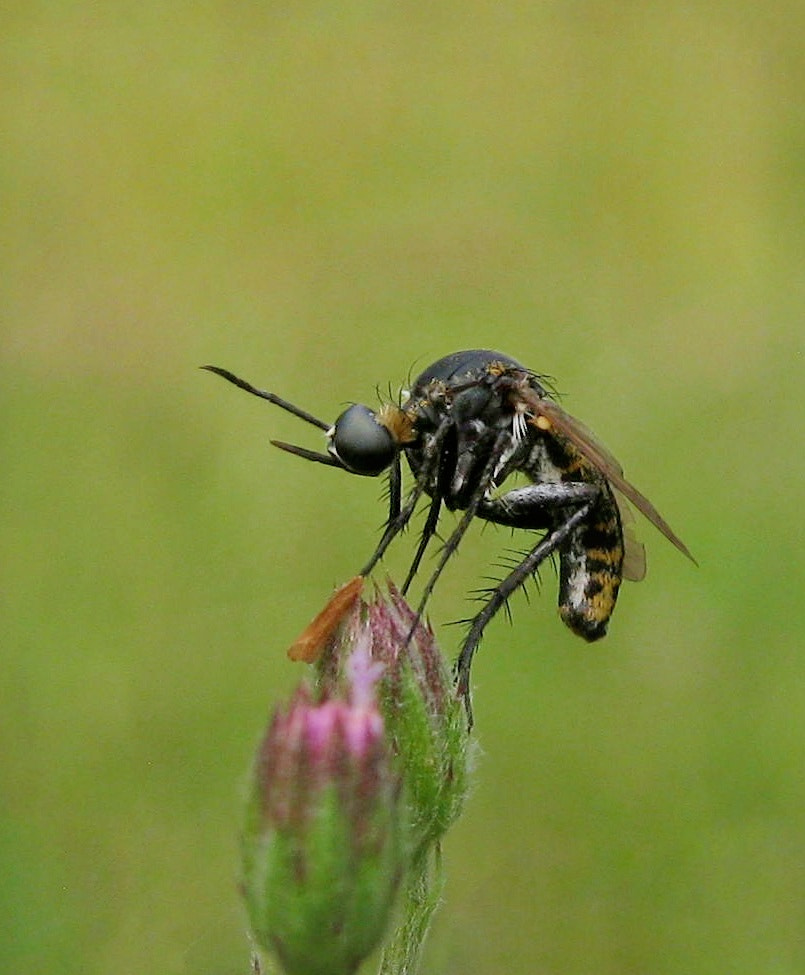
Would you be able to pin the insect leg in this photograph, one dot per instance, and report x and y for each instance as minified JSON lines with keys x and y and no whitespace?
{"x":427,"y":533}
{"x":535,"y":505}
{"x":395,"y":489}
{"x":451,"y":545}
{"x":396,"y":524}
{"x":504,"y":589}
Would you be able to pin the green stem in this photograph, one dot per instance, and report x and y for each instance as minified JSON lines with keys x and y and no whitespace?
{"x":421,"y":896}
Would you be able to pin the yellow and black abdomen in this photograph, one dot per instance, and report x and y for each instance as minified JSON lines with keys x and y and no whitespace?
{"x":590,"y":570}
{"x":591,"y":560}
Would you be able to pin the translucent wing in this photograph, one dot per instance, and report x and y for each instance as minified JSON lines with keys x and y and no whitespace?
{"x":549,"y":415}
{"x":634,"y":552}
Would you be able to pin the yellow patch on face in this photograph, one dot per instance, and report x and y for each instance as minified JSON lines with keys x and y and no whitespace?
{"x":398,"y":423}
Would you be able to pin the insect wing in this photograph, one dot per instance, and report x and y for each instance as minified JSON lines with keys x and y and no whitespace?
{"x":313,"y":640}
{"x":634,"y":551}
{"x":553,"y":416}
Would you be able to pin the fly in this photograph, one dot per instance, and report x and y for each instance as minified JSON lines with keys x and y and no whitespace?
{"x":470,"y":421}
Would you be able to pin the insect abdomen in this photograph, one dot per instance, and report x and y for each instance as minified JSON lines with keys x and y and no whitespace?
{"x":590,"y":571}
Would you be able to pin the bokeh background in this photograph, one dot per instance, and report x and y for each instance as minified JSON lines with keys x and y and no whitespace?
{"x":324,"y":198}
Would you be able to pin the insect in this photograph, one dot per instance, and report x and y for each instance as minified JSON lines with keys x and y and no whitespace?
{"x":469,"y":422}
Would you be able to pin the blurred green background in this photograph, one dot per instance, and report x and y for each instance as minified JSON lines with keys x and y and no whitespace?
{"x":323,"y":198}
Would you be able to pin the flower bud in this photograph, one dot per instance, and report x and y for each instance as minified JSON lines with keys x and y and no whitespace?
{"x":424,"y":718}
{"x":324,"y":841}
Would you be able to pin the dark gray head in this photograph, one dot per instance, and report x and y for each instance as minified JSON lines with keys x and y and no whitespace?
{"x":360,"y":441}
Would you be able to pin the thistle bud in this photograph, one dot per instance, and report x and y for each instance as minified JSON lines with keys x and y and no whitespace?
{"x":324,"y":841}
{"x":424,"y":718}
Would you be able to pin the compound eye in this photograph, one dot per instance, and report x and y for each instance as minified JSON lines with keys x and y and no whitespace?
{"x":362,"y":444}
